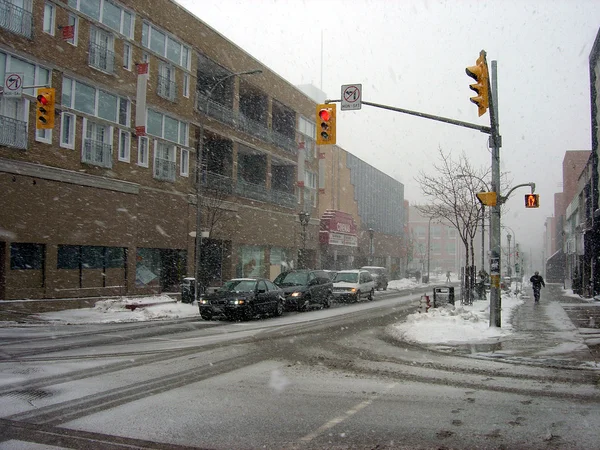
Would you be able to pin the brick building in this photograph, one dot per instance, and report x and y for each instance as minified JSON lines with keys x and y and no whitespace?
{"x":151,"y":103}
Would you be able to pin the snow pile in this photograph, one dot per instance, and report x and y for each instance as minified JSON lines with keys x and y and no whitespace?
{"x":120,"y":310}
{"x":456,"y":324}
{"x":404,"y":283}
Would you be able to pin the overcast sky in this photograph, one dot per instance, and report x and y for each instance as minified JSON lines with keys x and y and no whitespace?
{"x":413,"y":54}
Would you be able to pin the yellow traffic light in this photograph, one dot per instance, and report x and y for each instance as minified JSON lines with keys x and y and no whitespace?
{"x":326,"y":124}
{"x":44,"y":111}
{"x":488,"y":198}
{"x":480,"y":74}
{"x":532,"y":200}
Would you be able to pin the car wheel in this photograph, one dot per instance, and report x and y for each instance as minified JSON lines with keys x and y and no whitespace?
{"x":327,"y":302}
{"x":248,"y":314}
{"x":279,"y":308}
{"x":206,"y":316}
{"x":371,"y":294}
{"x":357,"y":297}
{"x":301,"y":307}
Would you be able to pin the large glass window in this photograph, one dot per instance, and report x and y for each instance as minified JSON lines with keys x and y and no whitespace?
{"x":90,"y":257}
{"x":166,"y":127}
{"x":107,"y":12}
{"x":25,"y":256}
{"x":95,"y":102}
{"x":166,"y":46}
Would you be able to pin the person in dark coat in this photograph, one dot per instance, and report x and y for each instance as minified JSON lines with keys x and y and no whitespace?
{"x":537,"y":282}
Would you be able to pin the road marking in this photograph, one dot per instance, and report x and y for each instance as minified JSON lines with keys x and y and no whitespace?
{"x":337,"y":420}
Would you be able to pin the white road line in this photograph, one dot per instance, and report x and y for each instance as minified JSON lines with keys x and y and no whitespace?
{"x":337,"y":420}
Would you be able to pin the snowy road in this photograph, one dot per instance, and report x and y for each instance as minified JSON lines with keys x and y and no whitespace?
{"x":327,"y":378}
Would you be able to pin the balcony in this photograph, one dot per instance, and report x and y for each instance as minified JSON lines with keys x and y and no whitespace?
{"x":101,"y":58}
{"x":164,"y":169}
{"x":16,"y":19}
{"x":13,"y":132}
{"x":218,"y":182}
{"x":214,"y":109}
{"x":283,"y":198}
{"x":283,"y":141}
{"x":167,"y":88}
{"x":251,"y":190}
{"x":254,"y":128}
{"x":97,"y":153}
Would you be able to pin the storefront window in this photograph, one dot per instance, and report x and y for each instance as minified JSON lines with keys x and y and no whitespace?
{"x":251,"y":261}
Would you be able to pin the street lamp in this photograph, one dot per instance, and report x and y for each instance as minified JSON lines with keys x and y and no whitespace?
{"x":304,"y":218}
{"x":197,"y":262}
{"x":508,"y":238}
{"x":371,"y":249}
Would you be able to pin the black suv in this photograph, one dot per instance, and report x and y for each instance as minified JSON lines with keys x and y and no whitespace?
{"x":305,"y":288}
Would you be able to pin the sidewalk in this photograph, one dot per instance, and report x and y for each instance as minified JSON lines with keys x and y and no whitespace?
{"x":545,"y":333}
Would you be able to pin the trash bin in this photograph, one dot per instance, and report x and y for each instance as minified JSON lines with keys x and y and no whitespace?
{"x":188,"y":290}
{"x":443,"y":295}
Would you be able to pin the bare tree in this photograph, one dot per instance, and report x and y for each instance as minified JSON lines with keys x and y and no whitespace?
{"x":211,"y":203}
{"x":451,"y":194}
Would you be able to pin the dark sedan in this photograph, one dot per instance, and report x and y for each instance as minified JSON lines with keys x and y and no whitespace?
{"x":243,"y":298}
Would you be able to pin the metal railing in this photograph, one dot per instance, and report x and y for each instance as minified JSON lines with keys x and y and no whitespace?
{"x":167,"y":88}
{"x":97,"y":153}
{"x":13,"y":133}
{"x":101,"y":58}
{"x":283,"y":198}
{"x":251,"y":190}
{"x":164,"y":169}
{"x":215,"y":109}
{"x":16,"y":19}
{"x":254,"y":128}
{"x":283,"y":141}
{"x":213,"y":180}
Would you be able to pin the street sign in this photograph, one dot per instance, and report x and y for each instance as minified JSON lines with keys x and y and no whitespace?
{"x":13,"y":85}
{"x":351,"y":97}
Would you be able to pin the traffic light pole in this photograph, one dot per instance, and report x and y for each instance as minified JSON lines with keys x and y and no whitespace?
{"x":495,"y":236}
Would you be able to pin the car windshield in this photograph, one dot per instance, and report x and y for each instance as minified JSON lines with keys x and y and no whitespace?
{"x":292,"y":279}
{"x":349,"y":277}
{"x":238,"y":286}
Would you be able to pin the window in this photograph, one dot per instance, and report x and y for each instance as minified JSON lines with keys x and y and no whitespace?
{"x":451,"y":232}
{"x":95,"y":102}
{"x":451,"y":247}
{"x":126,"y":56}
{"x":97,"y":144}
{"x":166,"y":127}
{"x":166,"y":46}
{"x":185,"y":163}
{"x":49,"y":18}
{"x":67,"y":130}
{"x":74,"y":22}
{"x":124,"y":145}
{"x":166,"y":82}
{"x":436,"y":231}
{"x":101,"y":50}
{"x":72,"y":257}
{"x":307,"y":128}
{"x":164,"y":161}
{"x":44,"y":136}
{"x":26,"y":256}
{"x":107,"y":12}
{"x":143,"y":151}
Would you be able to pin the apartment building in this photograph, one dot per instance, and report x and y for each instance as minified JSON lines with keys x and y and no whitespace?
{"x":151,"y":104}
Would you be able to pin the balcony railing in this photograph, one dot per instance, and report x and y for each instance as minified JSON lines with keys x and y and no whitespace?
{"x":101,"y":58}
{"x":251,"y":190}
{"x":16,"y":19}
{"x":97,"y":153}
{"x":286,"y":142}
{"x":164,"y":169}
{"x":167,"y":88}
{"x":216,"y":181}
{"x":13,"y":133}
{"x":283,"y":198}
{"x":215,"y":109}
{"x":254,"y":128}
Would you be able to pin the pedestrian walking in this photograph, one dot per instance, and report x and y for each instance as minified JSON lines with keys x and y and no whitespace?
{"x":537,"y":282}
{"x":448,"y":277}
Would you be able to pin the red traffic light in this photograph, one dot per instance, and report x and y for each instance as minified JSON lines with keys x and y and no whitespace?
{"x":42,"y":99}
{"x":324,"y":114}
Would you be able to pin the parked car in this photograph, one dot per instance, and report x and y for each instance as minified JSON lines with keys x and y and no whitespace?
{"x":243,"y":298}
{"x":305,"y":288}
{"x":380,"y":276}
{"x":331,"y":273}
{"x":353,"y":285}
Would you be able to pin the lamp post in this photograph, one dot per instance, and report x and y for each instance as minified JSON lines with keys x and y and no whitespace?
{"x":304,"y":218}
{"x":428,"y":247}
{"x":509,"y":271}
{"x":371,"y":249}
{"x":198,"y":262}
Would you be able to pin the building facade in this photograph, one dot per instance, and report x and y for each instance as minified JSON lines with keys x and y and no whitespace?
{"x":165,"y":131}
{"x":592,"y":192}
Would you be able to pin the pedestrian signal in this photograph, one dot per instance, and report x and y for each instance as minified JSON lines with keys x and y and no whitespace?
{"x":44,"y":111}
{"x":326,"y":124}
{"x":532,"y":200}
